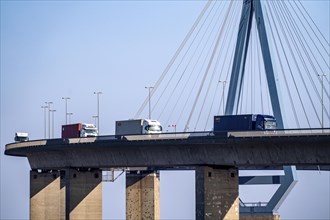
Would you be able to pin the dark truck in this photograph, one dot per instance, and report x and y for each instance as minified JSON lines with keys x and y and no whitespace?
{"x":223,"y":123}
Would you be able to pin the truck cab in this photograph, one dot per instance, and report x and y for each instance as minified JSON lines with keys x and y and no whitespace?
{"x":88,"y":130}
{"x":21,"y":136}
{"x":264,"y":122}
{"x":151,"y":127}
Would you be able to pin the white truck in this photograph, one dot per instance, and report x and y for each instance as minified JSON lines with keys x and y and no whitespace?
{"x":21,"y":136}
{"x":138,"y":126}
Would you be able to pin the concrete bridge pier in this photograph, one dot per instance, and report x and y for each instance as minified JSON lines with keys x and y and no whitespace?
{"x":68,"y":194}
{"x":142,"y":195}
{"x":45,"y":195}
{"x":83,"y":194}
{"x":216,"y":193}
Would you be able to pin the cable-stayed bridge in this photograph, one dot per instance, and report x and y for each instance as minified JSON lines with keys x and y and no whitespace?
{"x":209,"y":64}
{"x":265,"y":58}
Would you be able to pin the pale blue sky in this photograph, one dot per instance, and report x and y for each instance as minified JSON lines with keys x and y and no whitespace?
{"x":52,"y":49}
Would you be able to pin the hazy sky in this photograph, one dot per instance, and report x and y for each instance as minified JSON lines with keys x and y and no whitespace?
{"x":55,"y":49}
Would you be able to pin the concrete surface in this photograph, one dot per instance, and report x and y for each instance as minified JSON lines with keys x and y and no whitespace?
{"x":217,"y":193}
{"x":44,"y":195}
{"x":243,"y":151}
{"x":83,"y":194}
{"x":142,"y":195}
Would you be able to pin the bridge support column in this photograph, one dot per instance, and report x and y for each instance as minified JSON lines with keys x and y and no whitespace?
{"x":83,"y":194}
{"x":44,"y":195}
{"x":216,"y":193}
{"x":142,"y":195}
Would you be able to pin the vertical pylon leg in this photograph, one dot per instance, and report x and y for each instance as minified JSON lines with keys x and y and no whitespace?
{"x":44,"y":195}
{"x":217,"y":193}
{"x":142,"y":195}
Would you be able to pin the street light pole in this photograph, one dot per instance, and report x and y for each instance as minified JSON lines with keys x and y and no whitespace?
{"x":66,"y":109}
{"x":49,"y":103}
{"x":52,"y":111}
{"x":44,"y":107}
{"x":69,"y":114}
{"x":322,"y":75}
{"x":223,"y":94}
{"x":149,"y":88}
{"x":98,"y":109}
{"x":95,"y":117}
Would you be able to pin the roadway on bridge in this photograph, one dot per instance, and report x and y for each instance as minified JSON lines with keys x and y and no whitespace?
{"x":276,"y":148}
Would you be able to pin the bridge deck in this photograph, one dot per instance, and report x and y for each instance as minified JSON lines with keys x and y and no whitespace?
{"x":186,"y":149}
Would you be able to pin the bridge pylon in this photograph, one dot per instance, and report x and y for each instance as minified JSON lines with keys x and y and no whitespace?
{"x":250,"y":8}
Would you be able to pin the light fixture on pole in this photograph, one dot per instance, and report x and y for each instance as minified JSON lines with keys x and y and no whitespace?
{"x":322,"y":75}
{"x":52,"y":111}
{"x":66,"y":109}
{"x":44,"y":107}
{"x":149,"y":88}
{"x":48,"y":103}
{"x":98,"y":109}
{"x":223,"y":94}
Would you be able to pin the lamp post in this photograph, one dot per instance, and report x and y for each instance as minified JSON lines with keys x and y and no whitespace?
{"x":322,"y":75}
{"x":69,"y":114}
{"x":95,"y":117}
{"x":223,"y":94}
{"x":98,"y":109}
{"x":52,"y":111}
{"x":149,"y":88}
{"x":48,"y":103}
{"x":44,"y":107}
{"x":66,"y":109}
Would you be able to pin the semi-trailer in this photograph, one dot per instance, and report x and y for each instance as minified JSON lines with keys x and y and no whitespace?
{"x":249,"y":122}
{"x":79,"y":130}
{"x":138,"y":126}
